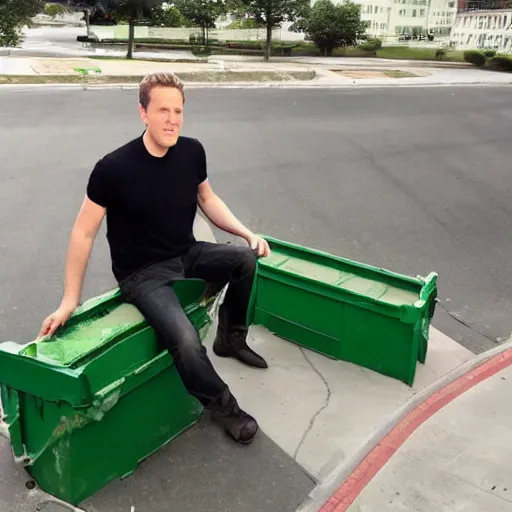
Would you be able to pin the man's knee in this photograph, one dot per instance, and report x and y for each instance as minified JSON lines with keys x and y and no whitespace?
{"x":186,"y":343}
{"x":247,"y":258}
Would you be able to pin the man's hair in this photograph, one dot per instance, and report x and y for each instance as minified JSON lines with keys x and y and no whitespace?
{"x":163,"y":79}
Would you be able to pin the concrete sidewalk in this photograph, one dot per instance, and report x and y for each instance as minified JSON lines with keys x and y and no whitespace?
{"x":358,"y":62}
{"x":250,"y":72}
{"x":319,"y":410}
{"x":451,"y":453}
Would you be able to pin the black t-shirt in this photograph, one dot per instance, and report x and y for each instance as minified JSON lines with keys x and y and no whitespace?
{"x":151,"y":202}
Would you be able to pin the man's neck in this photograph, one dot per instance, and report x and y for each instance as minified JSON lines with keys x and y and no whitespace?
{"x":153,"y":148}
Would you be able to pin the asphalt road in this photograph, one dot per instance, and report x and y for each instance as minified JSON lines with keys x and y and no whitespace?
{"x":413,"y":180}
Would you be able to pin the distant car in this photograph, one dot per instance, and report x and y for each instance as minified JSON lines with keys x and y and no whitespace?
{"x":102,"y":19}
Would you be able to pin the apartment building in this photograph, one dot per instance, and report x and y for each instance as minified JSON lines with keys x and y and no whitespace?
{"x":483,"y":28}
{"x":392,"y":19}
{"x":466,"y":24}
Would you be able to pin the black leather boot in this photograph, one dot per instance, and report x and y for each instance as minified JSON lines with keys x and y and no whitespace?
{"x":231,"y":341}
{"x":238,"y":424}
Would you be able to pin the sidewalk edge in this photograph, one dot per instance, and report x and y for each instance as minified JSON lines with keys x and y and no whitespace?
{"x":319,"y":497}
{"x":260,"y":85}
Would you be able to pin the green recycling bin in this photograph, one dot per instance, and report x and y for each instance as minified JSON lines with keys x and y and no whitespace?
{"x":344,"y":309}
{"x":85,"y":406}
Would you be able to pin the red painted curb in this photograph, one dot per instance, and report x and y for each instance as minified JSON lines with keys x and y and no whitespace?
{"x":373,"y":462}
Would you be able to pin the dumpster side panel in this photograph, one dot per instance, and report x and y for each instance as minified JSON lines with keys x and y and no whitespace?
{"x":19,"y":371}
{"x":380,"y":343}
{"x":81,"y":455}
{"x":299,"y":314}
{"x":121,"y":360}
{"x":429,"y":295}
{"x":10,"y":403}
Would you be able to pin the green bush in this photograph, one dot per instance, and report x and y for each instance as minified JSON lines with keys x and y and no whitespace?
{"x":53,"y":10}
{"x":475,"y":57}
{"x":367,"y":47}
{"x":371,"y":45}
{"x":376,"y":42}
{"x":501,"y":62}
{"x":440,"y":53}
{"x":245,"y":23}
{"x":490,"y":53}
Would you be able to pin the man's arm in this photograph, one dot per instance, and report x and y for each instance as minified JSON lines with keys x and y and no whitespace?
{"x":82,"y":238}
{"x":218,"y":212}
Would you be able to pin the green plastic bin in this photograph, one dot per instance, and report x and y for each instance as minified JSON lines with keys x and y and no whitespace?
{"x":344,"y":309}
{"x":87,"y":405}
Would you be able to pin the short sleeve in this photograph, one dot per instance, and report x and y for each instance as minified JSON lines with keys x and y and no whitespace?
{"x":98,"y":189}
{"x":202,"y":165}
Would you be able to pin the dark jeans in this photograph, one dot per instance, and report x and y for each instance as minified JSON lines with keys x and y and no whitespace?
{"x":217,"y":264}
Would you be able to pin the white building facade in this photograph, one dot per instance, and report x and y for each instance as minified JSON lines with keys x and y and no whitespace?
{"x":483,"y":30}
{"x":393,"y":19}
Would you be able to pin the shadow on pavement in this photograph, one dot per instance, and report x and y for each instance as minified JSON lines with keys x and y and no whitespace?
{"x":204,"y":470}
{"x":201,"y":470}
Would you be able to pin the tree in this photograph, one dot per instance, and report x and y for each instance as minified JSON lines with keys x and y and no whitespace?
{"x":89,"y":8}
{"x":54,"y":10}
{"x":130,"y":11}
{"x":202,"y":13}
{"x":123,"y":10}
{"x":14,"y":14}
{"x":331,"y":25}
{"x":272,"y":13}
{"x":167,"y":16}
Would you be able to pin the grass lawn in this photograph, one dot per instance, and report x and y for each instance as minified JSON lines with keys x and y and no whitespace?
{"x":407,"y":53}
{"x":201,"y":76}
{"x":298,"y":49}
{"x":397,"y":73}
{"x":388,"y":52}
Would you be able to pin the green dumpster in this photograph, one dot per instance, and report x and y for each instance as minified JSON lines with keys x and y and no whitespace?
{"x":86,"y":406}
{"x":344,"y":309}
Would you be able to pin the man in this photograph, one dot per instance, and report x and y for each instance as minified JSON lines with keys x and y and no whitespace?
{"x":149,"y":190}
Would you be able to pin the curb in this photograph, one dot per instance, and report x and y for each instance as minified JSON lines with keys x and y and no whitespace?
{"x":262,"y":85}
{"x":345,"y":482}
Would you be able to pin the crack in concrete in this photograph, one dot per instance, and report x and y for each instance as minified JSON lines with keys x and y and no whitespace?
{"x":322,"y":407}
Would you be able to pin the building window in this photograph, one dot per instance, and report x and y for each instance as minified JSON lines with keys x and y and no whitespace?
{"x":414,"y":13}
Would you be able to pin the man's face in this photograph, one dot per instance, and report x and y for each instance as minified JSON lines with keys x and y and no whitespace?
{"x":164,"y":115}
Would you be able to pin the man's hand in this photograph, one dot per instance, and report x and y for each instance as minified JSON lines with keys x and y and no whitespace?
{"x":57,"y":319}
{"x":258,"y":245}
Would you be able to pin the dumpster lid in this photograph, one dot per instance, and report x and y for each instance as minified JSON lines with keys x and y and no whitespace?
{"x":98,"y":323}
{"x":342,"y":274}
{"x":69,"y":345}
